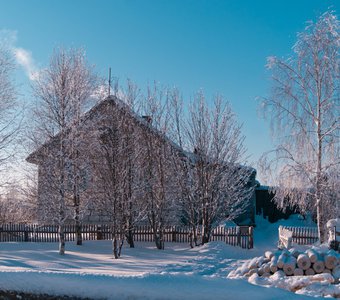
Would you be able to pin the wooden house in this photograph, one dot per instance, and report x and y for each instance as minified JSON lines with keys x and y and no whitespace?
{"x":83,"y":161}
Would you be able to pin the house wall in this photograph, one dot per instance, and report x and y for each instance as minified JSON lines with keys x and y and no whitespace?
{"x":91,"y":158}
{"x":265,"y":206}
{"x":248,"y":217}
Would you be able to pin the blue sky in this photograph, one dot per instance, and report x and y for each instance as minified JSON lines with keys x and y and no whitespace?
{"x":218,"y":46}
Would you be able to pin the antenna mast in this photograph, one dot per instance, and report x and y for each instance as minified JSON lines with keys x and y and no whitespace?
{"x":109,"y":81}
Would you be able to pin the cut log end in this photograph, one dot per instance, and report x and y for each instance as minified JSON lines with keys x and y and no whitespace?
{"x":319,"y":266}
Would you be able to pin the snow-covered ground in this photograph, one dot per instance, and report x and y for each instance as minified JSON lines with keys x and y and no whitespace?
{"x":144,"y":272}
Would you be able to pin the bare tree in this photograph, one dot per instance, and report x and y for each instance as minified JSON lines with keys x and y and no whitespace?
{"x":304,"y":110}
{"x":29,"y":193}
{"x":8,"y":115}
{"x":133,"y":211}
{"x":183,"y":167}
{"x":156,"y":173}
{"x":115,"y":166}
{"x":215,"y":183}
{"x":62,"y":92}
{"x":16,"y":205}
{"x":111,"y":175}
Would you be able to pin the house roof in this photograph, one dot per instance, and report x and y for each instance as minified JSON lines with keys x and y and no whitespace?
{"x":36,"y":156}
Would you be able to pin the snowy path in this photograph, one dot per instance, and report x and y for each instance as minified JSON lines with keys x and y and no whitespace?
{"x":153,"y":286}
{"x":141,"y":273}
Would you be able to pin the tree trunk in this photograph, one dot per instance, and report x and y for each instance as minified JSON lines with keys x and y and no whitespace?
{"x":115,"y":247}
{"x":76,"y":200}
{"x":191,"y":242}
{"x":158,"y":236}
{"x":120,"y":247}
{"x":61,"y":240}
{"x":319,"y":171}
{"x":193,"y":238}
{"x":129,"y":237}
{"x":78,"y":233}
{"x":79,"y":237}
{"x":62,"y":196}
{"x":205,"y":231}
{"x":321,"y":222}
{"x":205,"y":236}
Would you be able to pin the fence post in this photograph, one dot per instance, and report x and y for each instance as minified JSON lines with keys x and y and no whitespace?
{"x":99,"y":232}
{"x":174,"y":240}
{"x":26,"y":234}
{"x":251,"y":237}
{"x":238,"y":232}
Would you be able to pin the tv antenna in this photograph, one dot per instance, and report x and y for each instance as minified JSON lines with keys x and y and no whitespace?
{"x":110,"y":82}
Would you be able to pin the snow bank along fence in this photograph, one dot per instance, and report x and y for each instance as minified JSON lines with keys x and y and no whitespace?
{"x":298,"y":235}
{"x":237,"y":236}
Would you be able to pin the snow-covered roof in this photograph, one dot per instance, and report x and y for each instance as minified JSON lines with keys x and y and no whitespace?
{"x":36,"y":156}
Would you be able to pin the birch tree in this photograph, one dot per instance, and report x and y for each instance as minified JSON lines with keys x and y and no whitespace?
{"x":304,"y":110}
{"x":16,"y":207}
{"x":130,"y":143}
{"x":183,"y":167}
{"x":158,"y":190}
{"x":111,"y":175}
{"x":8,"y":116}
{"x":62,"y":91}
{"x":115,"y":166}
{"x":218,"y":185}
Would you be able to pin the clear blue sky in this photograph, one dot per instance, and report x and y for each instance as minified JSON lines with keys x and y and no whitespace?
{"x":219,"y":46}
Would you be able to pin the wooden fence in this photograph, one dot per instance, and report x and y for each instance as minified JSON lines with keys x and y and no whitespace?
{"x":297,"y":235}
{"x":237,"y":236}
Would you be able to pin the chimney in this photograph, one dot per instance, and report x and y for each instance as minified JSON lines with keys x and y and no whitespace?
{"x":148,"y":119}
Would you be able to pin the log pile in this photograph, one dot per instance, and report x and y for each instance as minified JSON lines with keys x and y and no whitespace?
{"x":292,"y":263}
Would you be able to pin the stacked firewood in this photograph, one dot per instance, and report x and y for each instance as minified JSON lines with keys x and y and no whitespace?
{"x":292,"y":263}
